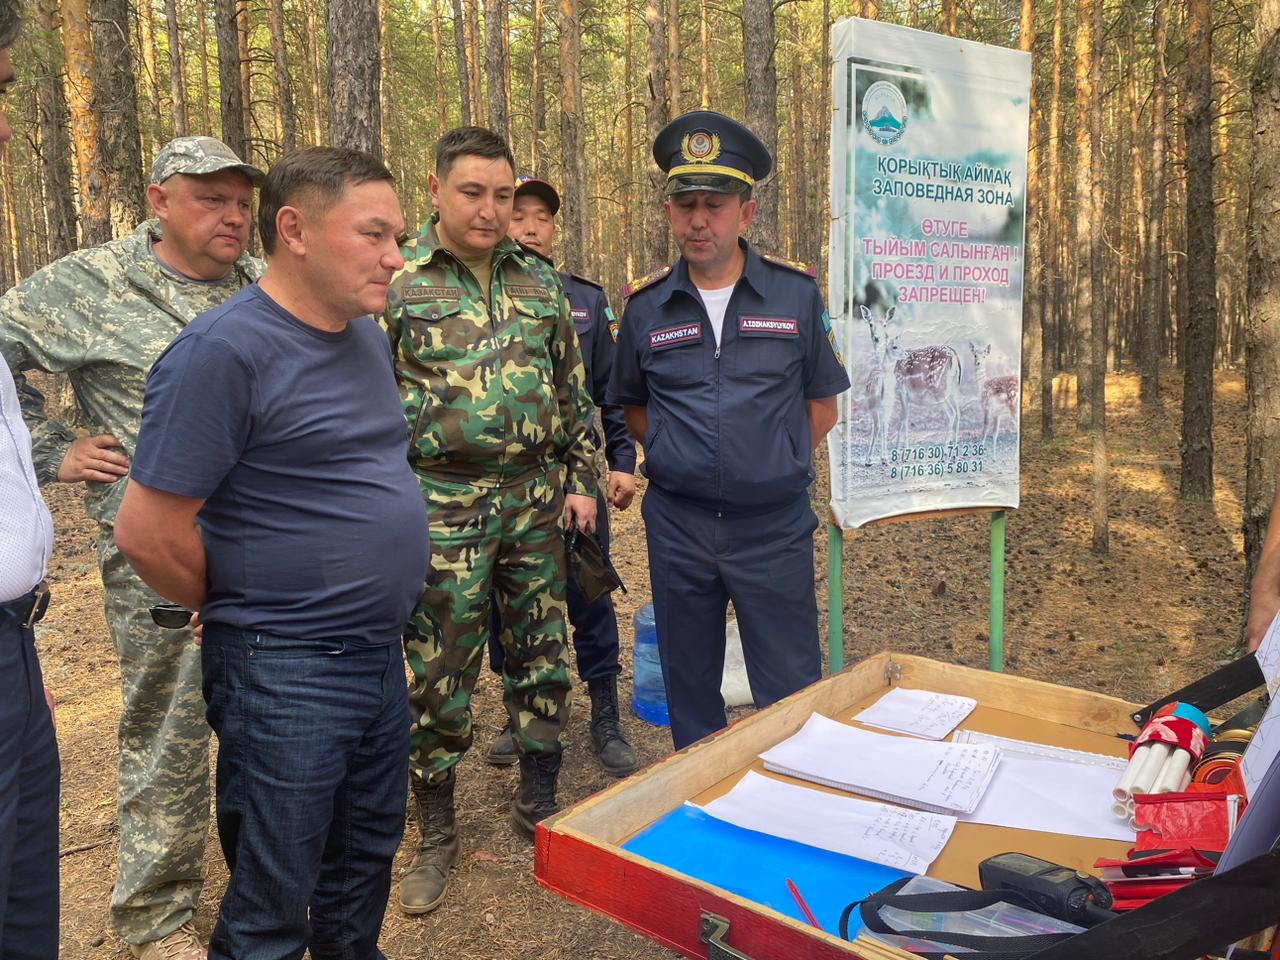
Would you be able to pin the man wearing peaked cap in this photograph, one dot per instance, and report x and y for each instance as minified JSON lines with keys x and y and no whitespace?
{"x":102,"y":316}
{"x":728,"y":377}
{"x":595,"y":624}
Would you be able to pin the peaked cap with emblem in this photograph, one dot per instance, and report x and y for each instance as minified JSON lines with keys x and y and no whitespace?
{"x":706,"y":151}
{"x":199,"y":156}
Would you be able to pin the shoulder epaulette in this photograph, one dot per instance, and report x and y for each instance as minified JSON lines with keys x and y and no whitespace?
{"x":635,"y":286}
{"x":589,"y":283}
{"x":795,"y":265}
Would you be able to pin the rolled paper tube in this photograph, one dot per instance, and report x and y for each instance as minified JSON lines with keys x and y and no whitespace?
{"x":1173,"y":775}
{"x":1146,"y":778}
{"x":1120,"y":809}
{"x":1124,"y":788}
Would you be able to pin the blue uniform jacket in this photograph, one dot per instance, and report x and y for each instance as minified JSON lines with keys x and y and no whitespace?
{"x":728,"y":428}
{"x":596,"y":329}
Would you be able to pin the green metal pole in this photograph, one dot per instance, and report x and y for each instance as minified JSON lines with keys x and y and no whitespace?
{"x":997,"y":591}
{"x":835,"y":598}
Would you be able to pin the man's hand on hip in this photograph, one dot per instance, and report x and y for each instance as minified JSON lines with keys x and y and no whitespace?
{"x":580,"y":512}
{"x":621,"y":490}
{"x":100,"y":459}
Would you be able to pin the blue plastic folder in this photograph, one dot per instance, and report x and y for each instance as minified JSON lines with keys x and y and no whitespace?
{"x":756,"y":866}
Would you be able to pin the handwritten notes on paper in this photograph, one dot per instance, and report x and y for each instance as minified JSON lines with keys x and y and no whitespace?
{"x":1268,"y":656}
{"x":940,"y":777}
{"x":893,"y":836}
{"x":918,"y":712}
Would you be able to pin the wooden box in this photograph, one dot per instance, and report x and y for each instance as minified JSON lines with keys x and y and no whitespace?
{"x":579,"y":856}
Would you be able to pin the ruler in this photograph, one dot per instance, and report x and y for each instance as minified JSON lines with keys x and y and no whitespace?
{"x":1040,"y":751}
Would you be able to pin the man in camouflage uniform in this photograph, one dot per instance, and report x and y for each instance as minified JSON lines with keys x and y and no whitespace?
{"x":499,"y":419}
{"x":103,"y":316}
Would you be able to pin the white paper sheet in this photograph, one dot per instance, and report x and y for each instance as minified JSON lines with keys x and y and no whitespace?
{"x":878,"y":832}
{"x":919,"y":712}
{"x":940,"y":777}
{"x":1260,"y":755}
{"x":1268,"y":656}
{"x":1052,"y":796}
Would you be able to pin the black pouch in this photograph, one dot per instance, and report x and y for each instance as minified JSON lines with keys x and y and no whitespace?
{"x":589,"y":567}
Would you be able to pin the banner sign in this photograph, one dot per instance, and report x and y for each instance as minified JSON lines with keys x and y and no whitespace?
{"x":928,"y":191}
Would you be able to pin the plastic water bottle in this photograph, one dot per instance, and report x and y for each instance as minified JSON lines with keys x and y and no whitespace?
{"x":649,"y":697}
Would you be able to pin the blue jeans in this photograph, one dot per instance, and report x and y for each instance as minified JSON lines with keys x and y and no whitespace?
{"x":313,"y":749}
{"x":28,"y":803}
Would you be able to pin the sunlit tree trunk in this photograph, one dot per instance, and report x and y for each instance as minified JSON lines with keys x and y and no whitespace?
{"x":177,"y":79}
{"x":760,"y":77}
{"x":280,"y":65}
{"x":115,"y":82}
{"x":55,"y":147}
{"x":673,"y":57}
{"x":95,"y":202}
{"x":354,"y":74}
{"x":1032,"y":303}
{"x":573,"y":157}
{"x":495,"y":64}
{"x":464,"y":68}
{"x":538,"y":118}
{"x":231,"y":99}
{"x":657,"y":112}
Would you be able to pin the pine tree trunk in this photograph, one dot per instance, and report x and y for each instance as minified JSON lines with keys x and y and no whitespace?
{"x":495,"y":66}
{"x":1032,"y":320}
{"x":354,"y":75}
{"x":474,"y":58}
{"x":442,"y":100}
{"x":246,"y":77}
{"x":629,"y":145}
{"x":538,"y":97}
{"x":1196,"y":482}
{"x":656,"y":113}
{"x":573,"y":214}
{"x":1262,"y":330}
{"x":55,"y":147}
{"x":704,"y":60}
{"x":231,"y":101}
{"x":949,"y":11}
{"x":1052,"y":282}
{"x":147,"y":44}
{"x":1098,"y":327}
{"x":121,"y":147}
{"x":177,"y":80}
{"x":280,"y":64}
{"x":206,"y":88}
{"x":1153,"y":313}
{"x":95,"y":202}
{"x":673,"y":57}
{"x":760,"y":78}
{"x":460,"y":54}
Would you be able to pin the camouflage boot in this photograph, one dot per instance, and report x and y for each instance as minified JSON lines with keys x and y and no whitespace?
{"x":423,"y":886}
{"x":535,"y":800}
{"x":615,"y":753}
{"x":503,"y":753}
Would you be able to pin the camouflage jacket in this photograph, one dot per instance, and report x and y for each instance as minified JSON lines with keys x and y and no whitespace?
{"x":102,"y":316}
{"x":496,"y":395}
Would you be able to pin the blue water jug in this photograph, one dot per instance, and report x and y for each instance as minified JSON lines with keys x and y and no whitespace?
{"x":649,"y":697}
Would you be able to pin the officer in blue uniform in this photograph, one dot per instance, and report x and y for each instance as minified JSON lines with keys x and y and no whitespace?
{"x":728,"y":375}
{"x":595,"y":625}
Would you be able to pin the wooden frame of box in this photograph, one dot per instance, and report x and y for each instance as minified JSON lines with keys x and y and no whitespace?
{"x":578,"y":853}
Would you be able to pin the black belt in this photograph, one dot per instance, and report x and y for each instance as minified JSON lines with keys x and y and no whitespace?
{"x":26,"y":611}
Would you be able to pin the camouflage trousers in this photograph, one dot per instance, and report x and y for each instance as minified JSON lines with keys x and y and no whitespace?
{"x":162,"y":793}
{"x":506,"y":541}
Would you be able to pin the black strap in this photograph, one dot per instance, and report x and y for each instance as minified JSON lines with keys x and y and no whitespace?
{"x":1203,"y":917}
{"x":958,"y":901}
{"x":1209,"y":692}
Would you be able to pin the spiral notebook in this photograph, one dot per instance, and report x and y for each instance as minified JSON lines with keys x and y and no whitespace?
{"x":928,"y":775}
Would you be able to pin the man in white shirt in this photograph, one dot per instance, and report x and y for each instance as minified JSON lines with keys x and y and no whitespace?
{"x":29,"y":769}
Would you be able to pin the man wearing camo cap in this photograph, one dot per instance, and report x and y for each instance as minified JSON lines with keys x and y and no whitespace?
{"x":102,"y":316}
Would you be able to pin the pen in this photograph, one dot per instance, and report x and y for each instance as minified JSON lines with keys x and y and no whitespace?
{"x":804,"y":907}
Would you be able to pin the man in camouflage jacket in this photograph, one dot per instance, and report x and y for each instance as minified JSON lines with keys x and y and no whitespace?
{"x":102,"y":316}
{"x":499,"y":419}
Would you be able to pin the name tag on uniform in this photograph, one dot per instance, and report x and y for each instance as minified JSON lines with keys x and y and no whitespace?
{"x":768,"y":326}
{"x":675,"y":336}
{"x":527,"y":291}
{"x":580,"y":316}
{"x":422,"y":292}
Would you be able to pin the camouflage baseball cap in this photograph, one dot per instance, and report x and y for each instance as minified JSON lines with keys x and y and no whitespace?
{"x":196,"y":156}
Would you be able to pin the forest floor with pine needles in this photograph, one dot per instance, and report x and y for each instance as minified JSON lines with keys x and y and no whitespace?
{"x":1161,"y":609}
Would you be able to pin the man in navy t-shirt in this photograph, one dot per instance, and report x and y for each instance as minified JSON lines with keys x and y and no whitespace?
{"x":274,"y":422}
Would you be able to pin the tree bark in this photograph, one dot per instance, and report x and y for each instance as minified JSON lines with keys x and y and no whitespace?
{"x":206,"y":88}
{"x":1262,"y":332}
{"x":760,"y":77}
{"x":147,"y":44}
{"x":474,"y":57}
{"x":495,"y":65}
{"x":1097,"y":326}
{"x":657,"y":113}
{"x":121,"y":147}
{"x":95,"y":202}
{"x":231,"y":100}
{"x":1032,"y":303}
{"x":246,"y":78}
{"x":354,"y":75}
{"x":460,"y":54}
{"x":704,"y":61}
{"x":1196,"y":482}
{"x":177,"y":80}
{"x":538,"y":97}
{"x":573,"y":214}
{"x":437,"y":45}
{"x":280,"y":65}
{"x":55,"y":147}
{"x":1149,"y":331}
{"x":629,"y":145}
{"x":949,"y":12}
{"x":1053,"y":280}
{"x":673,"y":57}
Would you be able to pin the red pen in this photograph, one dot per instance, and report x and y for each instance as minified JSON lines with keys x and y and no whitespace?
{"x":804,"y":907}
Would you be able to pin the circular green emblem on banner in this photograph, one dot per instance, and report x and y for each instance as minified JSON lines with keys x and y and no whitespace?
{"x":884,"y":112}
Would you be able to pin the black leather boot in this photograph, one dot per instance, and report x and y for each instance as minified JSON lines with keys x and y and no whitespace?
{"x":423,"y":886}
{"x":503,"y":753}
{"x":611,"y":746}
{"x":535,"y":799}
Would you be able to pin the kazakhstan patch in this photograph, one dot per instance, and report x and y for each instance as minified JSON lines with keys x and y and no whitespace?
{"x":612,"y":321}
